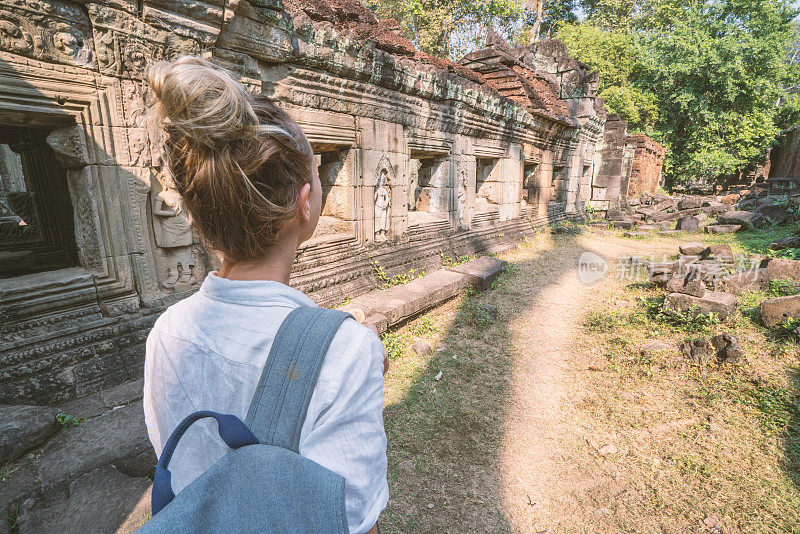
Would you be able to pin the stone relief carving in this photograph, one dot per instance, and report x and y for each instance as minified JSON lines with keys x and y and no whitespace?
{"x":461,"y":198}
{"x":383,"y":202}
{"x":172,"y":225}
{"x":126,"y":45}
{"x":24,"y":30}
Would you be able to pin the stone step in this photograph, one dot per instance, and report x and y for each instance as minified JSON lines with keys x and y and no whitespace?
{"x":383,"y":308}
{"x":102,"y":500}
{"x":118,"y":437}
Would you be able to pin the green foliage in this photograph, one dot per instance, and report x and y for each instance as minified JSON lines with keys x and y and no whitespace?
{"x":387,"y":281}
{"x":689,"y":321}
{"x":702,"y":77}
{"x":788,"y":329}
{"x":66,"y":420}
{"x":455,"y":260}
{"x":424,"y":326}
{"x":783,"y":287}
{"x":395,"y":344}
{"x":450,"y":28}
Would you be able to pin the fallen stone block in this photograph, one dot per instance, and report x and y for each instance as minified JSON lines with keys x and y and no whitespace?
{"x":660,"y":273}
{"x":698,"y":351}
{"x":377,"y":321}
{"x":626,"y":224}
{"x":722,"y":304}
{"x":481,"y":272}
{"x":716,"y":208}
{"x":748,"y":219}
{"x":777,"y":310}
{"x":688,"y":284}
{"x":775,"y":213}
{"x":665,"y":204}
{"x":723,"y":228}
{"x":616,"y":215}
{"x":693,"y":248}
{"x":785,"y":242}
{"x":632,"y":202}
{"x":688,"y":223}
{"x":646,"y":227}
{"x":403,"y":301}
{"x":116,"y":436}
{"x":782,"y":268}
{"x":722,"y":253}
{"x":103,"y":500}
{"x":730,"y":199}
{"x":690,"y":202}
{"x":729,"y":349}
{"x":23,"y":428}
{"x":751,"y":280}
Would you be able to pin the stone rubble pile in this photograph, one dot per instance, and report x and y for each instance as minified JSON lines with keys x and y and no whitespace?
{"x":749,"y":209}
{"x":704,"y":280}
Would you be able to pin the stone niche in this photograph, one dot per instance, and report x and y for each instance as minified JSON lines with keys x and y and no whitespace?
{"x":417,"y":157}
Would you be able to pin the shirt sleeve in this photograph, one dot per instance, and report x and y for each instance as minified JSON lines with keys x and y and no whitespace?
{"x":343,"y":430}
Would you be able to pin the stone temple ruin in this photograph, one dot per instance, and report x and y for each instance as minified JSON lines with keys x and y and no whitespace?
{"x":419,"y":156}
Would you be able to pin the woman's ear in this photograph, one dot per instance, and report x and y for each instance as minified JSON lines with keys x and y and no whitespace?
{"x":303,"y":203}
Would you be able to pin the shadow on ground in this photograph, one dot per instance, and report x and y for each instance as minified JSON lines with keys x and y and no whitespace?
{"x":445,"y":432}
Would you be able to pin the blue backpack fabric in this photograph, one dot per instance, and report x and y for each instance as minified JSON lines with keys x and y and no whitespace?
{"x":262,"y":484}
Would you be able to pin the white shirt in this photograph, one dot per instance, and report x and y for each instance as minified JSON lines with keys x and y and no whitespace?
{"x":207,"y":352}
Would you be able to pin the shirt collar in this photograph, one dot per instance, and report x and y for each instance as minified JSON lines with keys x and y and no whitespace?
{"x":252,"y":292}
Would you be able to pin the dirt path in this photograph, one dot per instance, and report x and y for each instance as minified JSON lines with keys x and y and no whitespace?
{"x":541,"y":487}
{"x":536,"y":423}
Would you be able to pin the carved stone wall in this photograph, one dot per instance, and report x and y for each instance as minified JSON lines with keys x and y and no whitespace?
{"x":648,"y":162}
{"x":511,"y":134}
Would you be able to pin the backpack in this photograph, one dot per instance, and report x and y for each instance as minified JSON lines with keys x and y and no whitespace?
{"x":262,"y":484}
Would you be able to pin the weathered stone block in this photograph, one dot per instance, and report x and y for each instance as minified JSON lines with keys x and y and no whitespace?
{"x":746,"y":219}
{"x":689,"y":284}
{"x":103,"y":500}
{"x":693,"y":248}
{"x":723,"y":228}
{"x":23,"y":428}
{"x":752,"y":280}
{"x":722,"y":304}
{"x":112,"y":437}
{"x":482,"y":271}
{"x":722,"y":253}
{"x":688,"y":223}
{"x":776,"y":311}
{"x":782,"y":268}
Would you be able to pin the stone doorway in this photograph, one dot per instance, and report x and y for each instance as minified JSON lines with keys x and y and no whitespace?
{"x":37,"y":229}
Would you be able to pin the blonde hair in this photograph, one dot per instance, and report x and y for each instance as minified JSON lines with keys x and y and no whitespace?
{"x":238,"y":160}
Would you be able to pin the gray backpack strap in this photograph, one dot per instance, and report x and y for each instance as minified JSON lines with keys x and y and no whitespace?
{"x":280,"y":403}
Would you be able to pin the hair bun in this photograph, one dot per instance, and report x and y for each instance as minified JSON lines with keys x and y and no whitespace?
{"x":201,"y":101}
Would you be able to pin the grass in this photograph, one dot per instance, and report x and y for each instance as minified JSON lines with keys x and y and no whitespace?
{"x":386,"y":280}
{"x":740,"y":459}
{"x":696,"y":442}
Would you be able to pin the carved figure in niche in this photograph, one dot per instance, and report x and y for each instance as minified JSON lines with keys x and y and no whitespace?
{"x":382,"y":206}
{"x":180,"y":279}
{"x":172,"y":225}
{"x":461,"y":199}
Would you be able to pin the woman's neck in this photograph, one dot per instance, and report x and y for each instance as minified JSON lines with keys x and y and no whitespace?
{"x":276,"y":265}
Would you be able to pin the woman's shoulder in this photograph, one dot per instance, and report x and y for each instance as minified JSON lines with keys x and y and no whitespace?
{"x":354,"y":349}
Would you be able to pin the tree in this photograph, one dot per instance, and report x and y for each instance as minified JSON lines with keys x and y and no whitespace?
{"x":450,"y":28}
{"x":701,"y":76}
